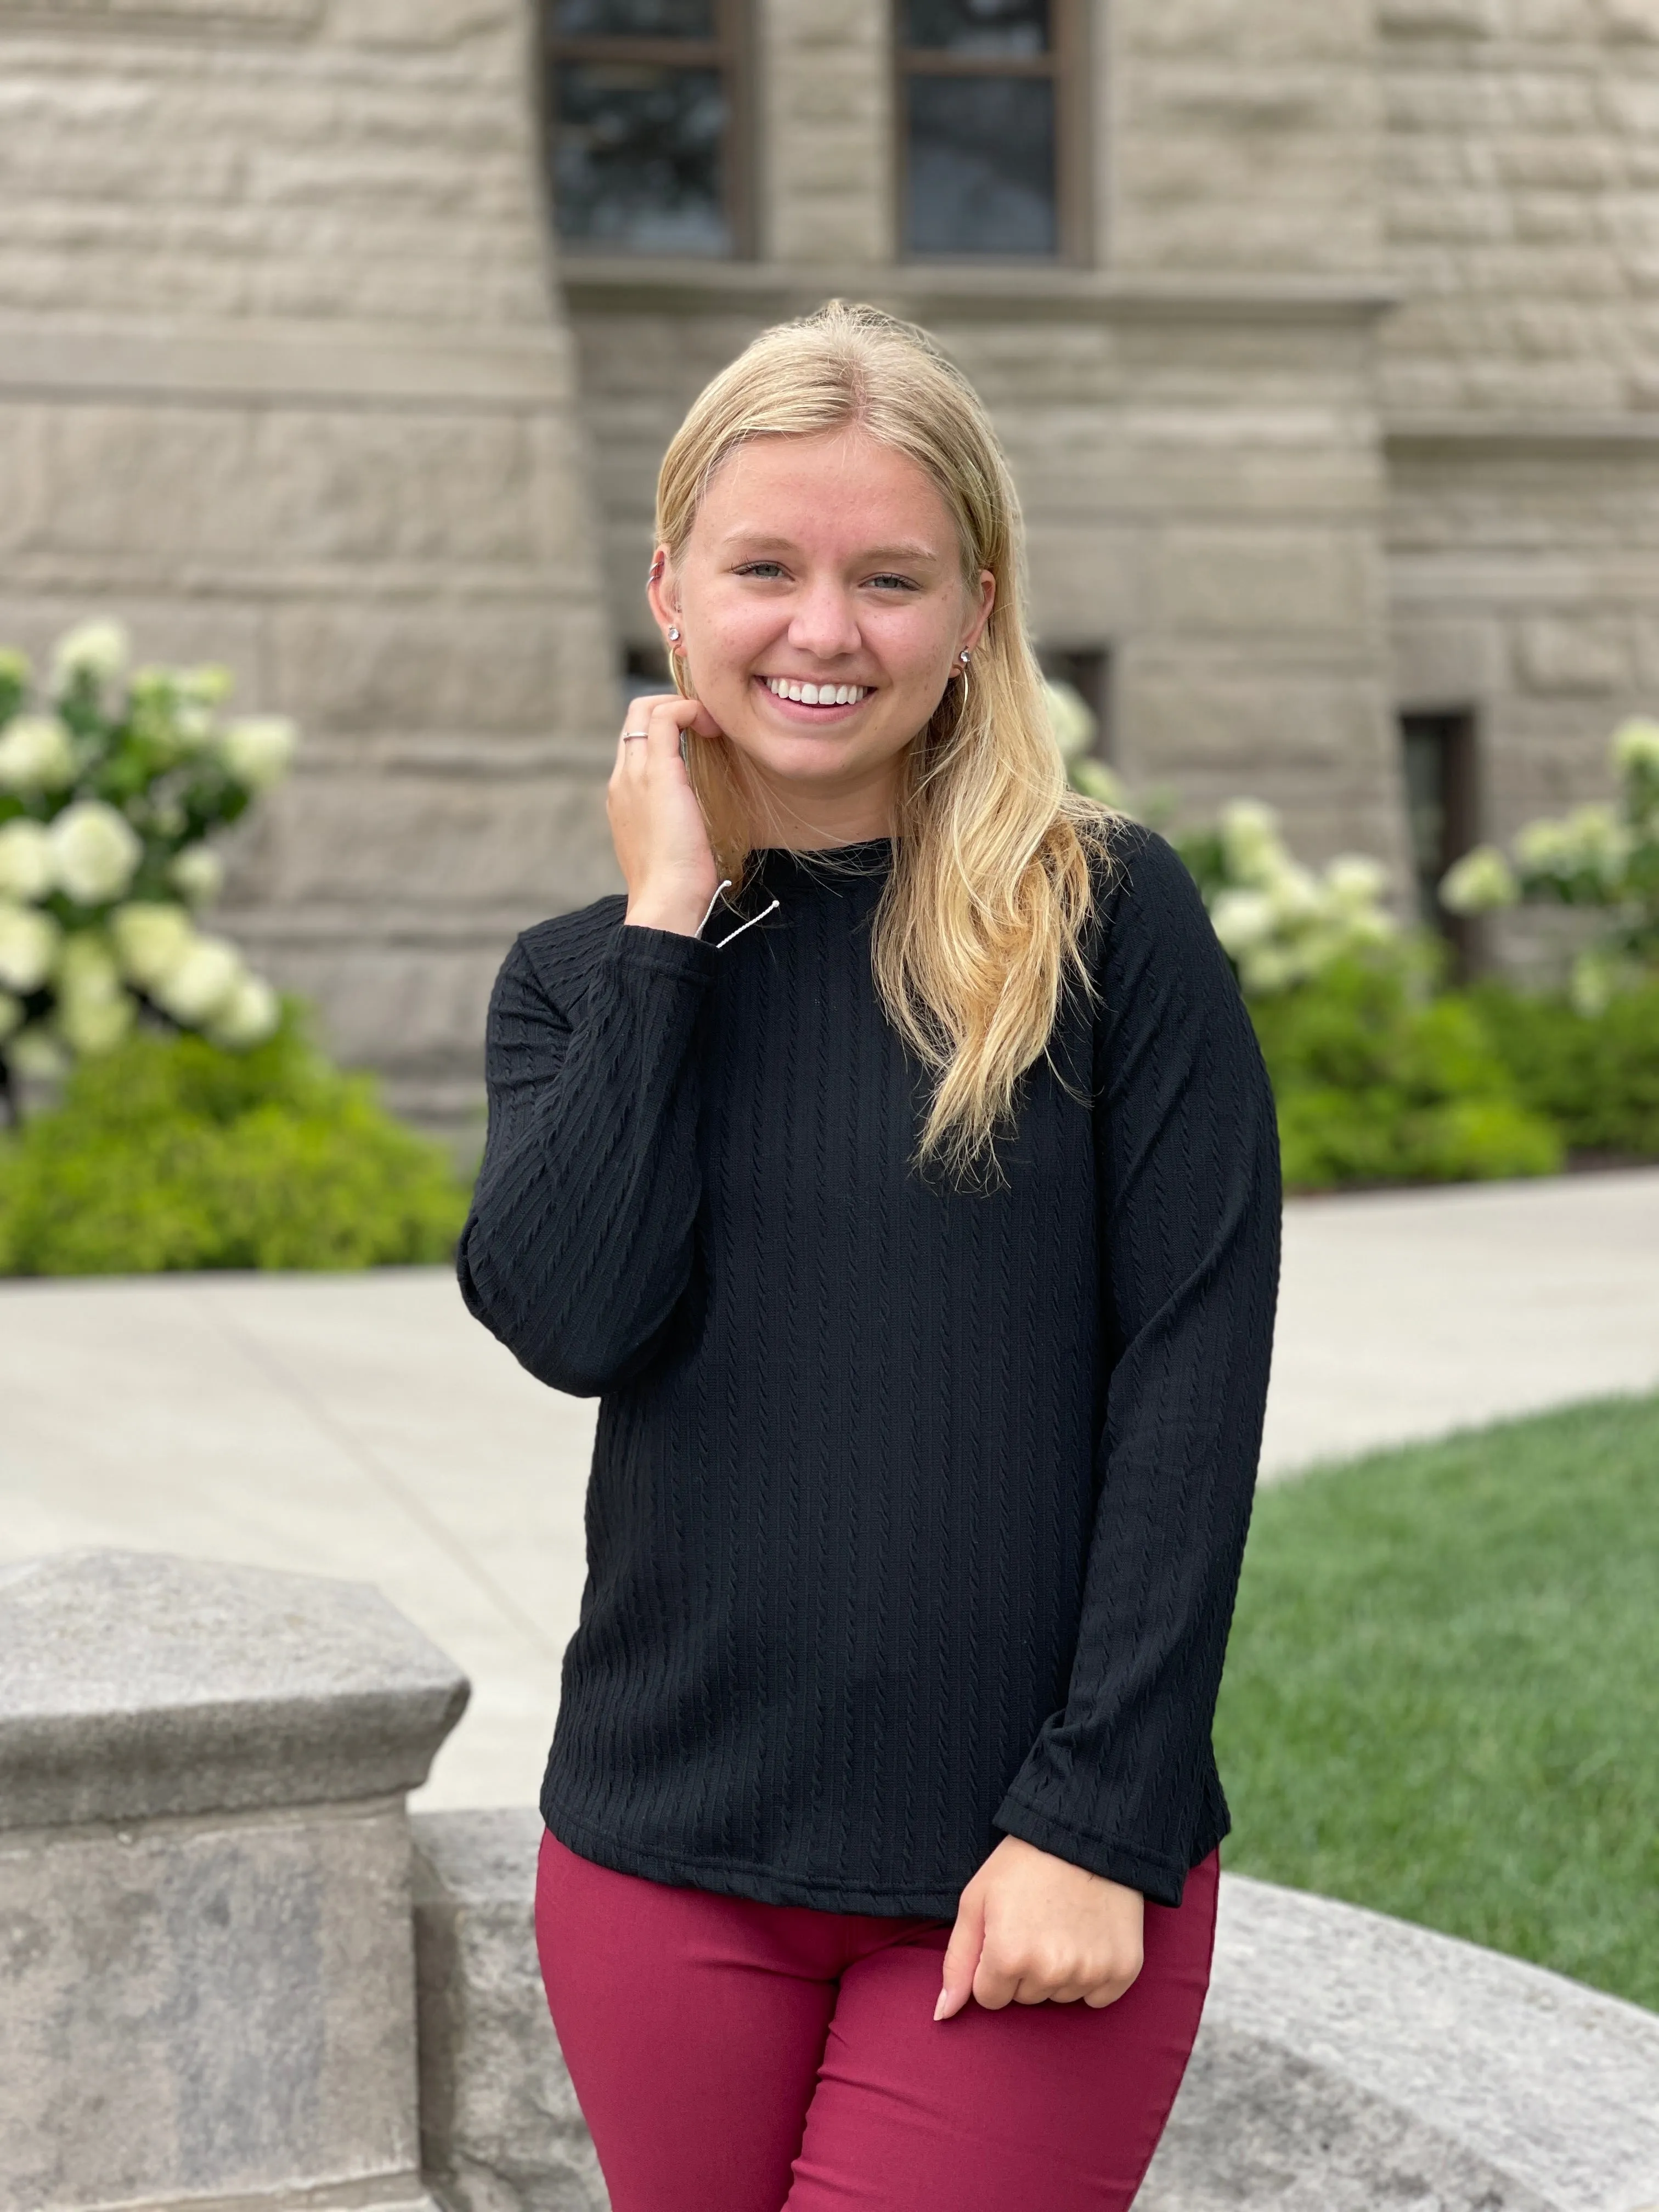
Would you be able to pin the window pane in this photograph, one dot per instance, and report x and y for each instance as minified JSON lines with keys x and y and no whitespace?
{"x":980,"y":176}
{"x":978,"y":26}
{"x":636,"y":158}
{"x":633,"y":19}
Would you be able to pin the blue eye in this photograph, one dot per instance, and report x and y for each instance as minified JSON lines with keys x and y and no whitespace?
{"x":766,"y":570}
{"x":901,"y":583}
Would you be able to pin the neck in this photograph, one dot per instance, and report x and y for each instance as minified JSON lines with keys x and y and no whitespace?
{"x":816,"y":817}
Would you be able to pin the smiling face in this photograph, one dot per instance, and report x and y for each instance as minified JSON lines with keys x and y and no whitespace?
{"x":821,"y":606}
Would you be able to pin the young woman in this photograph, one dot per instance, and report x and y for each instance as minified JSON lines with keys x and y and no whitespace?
{"x":897,"y":1164}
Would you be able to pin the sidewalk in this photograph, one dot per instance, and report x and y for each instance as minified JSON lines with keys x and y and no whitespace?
{"x":365,"y":1426}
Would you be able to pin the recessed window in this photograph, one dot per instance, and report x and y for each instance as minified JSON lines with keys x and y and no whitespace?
{"x":643,"y":111}
{"x":986,"y":156}
{"x":1442,"y":811}
{"x":1088,"y":670}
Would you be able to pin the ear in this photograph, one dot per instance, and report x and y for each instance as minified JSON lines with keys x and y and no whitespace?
{"x":662,"y":592}
{"x":983,"y":601}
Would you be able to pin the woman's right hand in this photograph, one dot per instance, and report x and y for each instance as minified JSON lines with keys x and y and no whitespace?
{"x":656,"y":824}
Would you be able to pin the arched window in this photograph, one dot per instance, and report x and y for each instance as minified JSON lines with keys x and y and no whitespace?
{"x":644,"y":112}
{"x":991,"y":99}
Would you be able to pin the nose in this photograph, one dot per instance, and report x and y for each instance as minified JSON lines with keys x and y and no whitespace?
{"x":824,"y":622}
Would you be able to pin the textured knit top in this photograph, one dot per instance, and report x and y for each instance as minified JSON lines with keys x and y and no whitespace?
{"x":916,"y":1514}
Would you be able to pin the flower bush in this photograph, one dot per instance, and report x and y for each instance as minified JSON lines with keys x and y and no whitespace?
{"x":1279,"y":923}
{"x":112,"y":782}
{"x":1604,"y":857}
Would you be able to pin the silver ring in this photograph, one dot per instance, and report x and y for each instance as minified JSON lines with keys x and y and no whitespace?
{"x":628,"y":735}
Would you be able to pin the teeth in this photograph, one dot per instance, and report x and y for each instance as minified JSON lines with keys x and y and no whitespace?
{"x":815,"y":695}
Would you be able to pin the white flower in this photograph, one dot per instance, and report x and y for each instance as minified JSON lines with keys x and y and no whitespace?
{"x":98,"y":649}
{"x":37,"y":1053}
{"x":96,"y":851}
{"x":27,"y":870}
{"x":1242,"y":919}
{"x":1293,"y":893}
{"x":37,"y":753}
{"x":152,"y":940}
{"x":1250,"y":843}
{"x":1481,"y":880}
{"x":28,"y":945}
{"x":258,"y":748}
{"x":93,"y":1012}
{"x":1635,"y":744}
{"x":1355,"y":880}
{"x":198,"y":875}
{"x":201,"y":987}
{"x":1267,"y":969}
{"x":249,"y":1017}
{"x":11,"y":1015}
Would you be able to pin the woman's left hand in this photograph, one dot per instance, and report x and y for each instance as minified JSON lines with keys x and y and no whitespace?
{"x":1032,"y":1928}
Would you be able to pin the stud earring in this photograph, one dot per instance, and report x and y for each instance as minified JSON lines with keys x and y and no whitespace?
{"x":673,"y":637}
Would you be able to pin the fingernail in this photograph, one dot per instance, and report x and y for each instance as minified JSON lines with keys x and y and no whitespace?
{"x":939,"y":2007}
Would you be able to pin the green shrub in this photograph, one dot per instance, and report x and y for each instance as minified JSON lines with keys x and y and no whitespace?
{"x":170,"y":1153}
{"x":1373,"y":1086}
{"x":1595,"y":1075}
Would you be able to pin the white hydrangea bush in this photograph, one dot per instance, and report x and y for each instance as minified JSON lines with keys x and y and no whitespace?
{"x":1603,"y":856}
{"x":1280,"y":923}
{"x":112,"y":781}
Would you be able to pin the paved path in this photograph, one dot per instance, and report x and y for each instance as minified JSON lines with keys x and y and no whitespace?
{"x":364,"y":1426}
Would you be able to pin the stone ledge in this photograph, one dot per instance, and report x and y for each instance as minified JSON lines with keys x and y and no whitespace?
{"x":1346,"y":2061}
{"x":379,"y":365}
{"x":655,"y":286}
{"x":137,"y":1686}
{"x":1571,"y":432}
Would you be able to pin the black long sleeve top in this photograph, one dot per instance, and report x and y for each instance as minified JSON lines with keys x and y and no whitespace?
{"x":916,"y":1515}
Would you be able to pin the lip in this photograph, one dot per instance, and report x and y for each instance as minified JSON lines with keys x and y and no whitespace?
{"x":810,"y":718}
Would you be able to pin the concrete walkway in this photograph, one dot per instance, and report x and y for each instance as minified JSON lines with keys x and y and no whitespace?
{"x":364,"y":1426}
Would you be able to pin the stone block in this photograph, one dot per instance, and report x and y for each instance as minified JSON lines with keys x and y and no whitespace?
{"x":1207,"y":579}
{"x":205,"y":1688}
{"x":1452,"y":663}
{"x":441,"y":844}
{"x":432,"y":665}
{"x":1584,"y":654}
{"x":204,"y":1902}
{"x":500,"y":2129}
{"x":213,"y":2008}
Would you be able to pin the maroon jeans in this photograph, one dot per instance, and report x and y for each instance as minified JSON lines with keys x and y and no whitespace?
{"x":730,"y":2057}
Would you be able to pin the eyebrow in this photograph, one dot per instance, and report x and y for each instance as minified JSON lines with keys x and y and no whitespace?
{"x":760,"y":542}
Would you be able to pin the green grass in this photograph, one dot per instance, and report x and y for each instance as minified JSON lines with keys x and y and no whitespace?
{"x":1441,"y":1696}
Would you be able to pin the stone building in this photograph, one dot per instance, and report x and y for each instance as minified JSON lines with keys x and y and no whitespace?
{"x":339,"y":339}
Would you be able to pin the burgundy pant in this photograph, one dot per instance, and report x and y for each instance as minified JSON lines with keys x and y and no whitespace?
{"x":730,"y":2057}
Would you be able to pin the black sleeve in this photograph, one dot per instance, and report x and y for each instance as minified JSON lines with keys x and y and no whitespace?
{"x":1187,"y":1158}
{"x":579,"y":1243}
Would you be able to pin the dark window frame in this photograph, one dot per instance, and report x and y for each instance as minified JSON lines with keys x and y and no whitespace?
{"x":1455,"y":735}
{"x":1066,"y":64}
{"x":728,"y":52}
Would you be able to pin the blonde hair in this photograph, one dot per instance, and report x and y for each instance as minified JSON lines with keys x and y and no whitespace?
{"x":983,"y":916}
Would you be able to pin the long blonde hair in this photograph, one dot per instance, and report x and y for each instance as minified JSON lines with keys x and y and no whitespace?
{"x":983,"y":916}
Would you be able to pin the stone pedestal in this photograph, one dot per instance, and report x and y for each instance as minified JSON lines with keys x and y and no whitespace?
{"x":205,"y":1936}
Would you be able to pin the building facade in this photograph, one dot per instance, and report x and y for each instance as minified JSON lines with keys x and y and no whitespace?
{"x":339,"y":340}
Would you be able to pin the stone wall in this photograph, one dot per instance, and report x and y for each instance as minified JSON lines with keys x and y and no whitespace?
{"x":1520,"y":379}
{"x":284,"y":381}
{"x":1352,"y":404}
